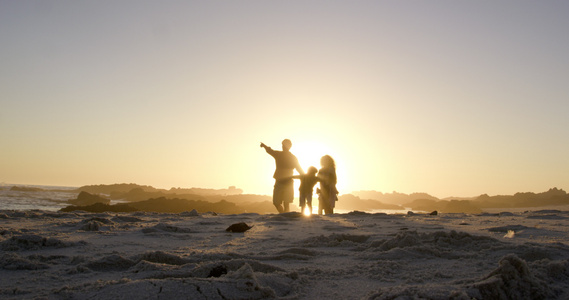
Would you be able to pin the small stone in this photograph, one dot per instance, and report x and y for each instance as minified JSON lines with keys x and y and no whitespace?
{"x":238,"y":227}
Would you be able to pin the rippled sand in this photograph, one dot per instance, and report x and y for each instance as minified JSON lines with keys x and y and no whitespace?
{"x":522,"y":255}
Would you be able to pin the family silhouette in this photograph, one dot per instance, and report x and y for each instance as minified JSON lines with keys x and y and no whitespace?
{"x":283,"y":191}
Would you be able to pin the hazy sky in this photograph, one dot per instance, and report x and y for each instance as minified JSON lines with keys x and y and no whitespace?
{"x":444,"y":97}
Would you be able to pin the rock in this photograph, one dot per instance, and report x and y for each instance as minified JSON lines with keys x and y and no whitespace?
{"x":193,"y":213}
{"x":100,"y":207}
{"x":25,"y":189}
{"x":434,"y":213}
{"x":506,"y":214}
{"x":85,"y":198}
{"x":218,"y":271}
{"x":91,"y":226}
{"x":238,"y":227}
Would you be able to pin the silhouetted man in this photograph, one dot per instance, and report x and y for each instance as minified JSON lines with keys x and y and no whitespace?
{"x":286,"y":162}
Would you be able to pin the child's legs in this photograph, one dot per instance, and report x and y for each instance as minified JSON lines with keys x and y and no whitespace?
{"x":302,"y":199}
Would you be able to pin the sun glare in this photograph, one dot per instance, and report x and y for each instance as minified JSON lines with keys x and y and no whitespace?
{"x":309,"y":153}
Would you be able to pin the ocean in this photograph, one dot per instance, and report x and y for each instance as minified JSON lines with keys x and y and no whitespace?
{"x":35,"y":197}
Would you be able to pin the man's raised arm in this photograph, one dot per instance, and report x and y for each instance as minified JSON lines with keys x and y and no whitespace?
{"x":267,"y":148}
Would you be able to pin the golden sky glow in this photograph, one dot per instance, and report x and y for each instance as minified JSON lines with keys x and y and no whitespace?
{"x":443,"y":97}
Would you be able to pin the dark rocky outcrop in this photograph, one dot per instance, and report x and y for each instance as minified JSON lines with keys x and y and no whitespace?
{"x":25,"y":189}
{"x":85,"y":198}
{"x":100,"y":207}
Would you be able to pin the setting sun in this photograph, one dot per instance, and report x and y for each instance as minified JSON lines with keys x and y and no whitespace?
{"x":309,"y":153}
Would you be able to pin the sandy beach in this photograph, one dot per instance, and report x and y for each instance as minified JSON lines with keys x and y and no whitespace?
{"x":433,"y":135}
{"x":190,"y":255}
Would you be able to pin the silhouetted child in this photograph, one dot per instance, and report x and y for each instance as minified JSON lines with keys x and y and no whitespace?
{"x":307,"y":183}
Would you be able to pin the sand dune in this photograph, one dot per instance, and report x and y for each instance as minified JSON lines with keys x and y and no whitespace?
{"x":143,"y":255}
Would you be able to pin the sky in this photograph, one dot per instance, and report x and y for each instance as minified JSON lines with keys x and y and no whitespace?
{"x":450,"y":98}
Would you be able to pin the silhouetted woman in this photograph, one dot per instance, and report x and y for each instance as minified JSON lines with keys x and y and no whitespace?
{"x":328,"y":194}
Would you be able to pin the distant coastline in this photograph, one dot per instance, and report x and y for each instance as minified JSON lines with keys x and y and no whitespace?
{"x":232,"y":199}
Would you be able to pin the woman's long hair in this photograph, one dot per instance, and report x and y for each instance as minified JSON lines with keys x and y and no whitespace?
{"x":329,"y":165}
{"x":328,"y":162}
